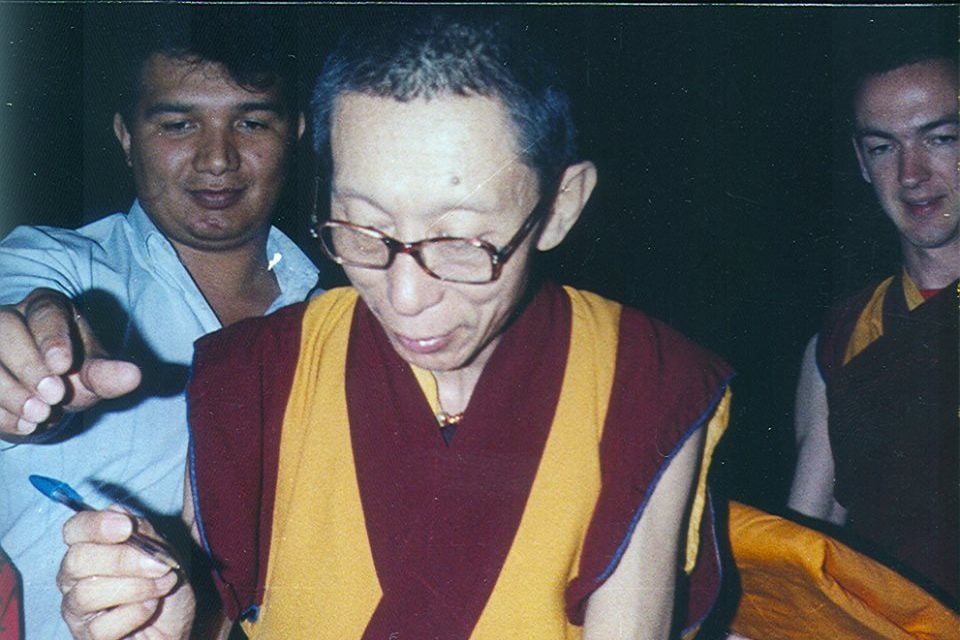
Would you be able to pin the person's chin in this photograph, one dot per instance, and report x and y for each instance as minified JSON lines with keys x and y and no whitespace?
{"x":219,"y":237}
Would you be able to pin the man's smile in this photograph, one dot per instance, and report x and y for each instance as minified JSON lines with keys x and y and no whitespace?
{"x":216,"y":198}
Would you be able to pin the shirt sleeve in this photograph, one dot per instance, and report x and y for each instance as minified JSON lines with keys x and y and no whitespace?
{"x":34,"y":257}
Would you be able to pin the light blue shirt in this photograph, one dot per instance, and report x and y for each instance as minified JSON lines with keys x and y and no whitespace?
{"x":125,"y":275}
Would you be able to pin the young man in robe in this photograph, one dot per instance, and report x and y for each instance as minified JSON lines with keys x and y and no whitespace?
{"x":876,"y":418}
{"x":450,"y":447}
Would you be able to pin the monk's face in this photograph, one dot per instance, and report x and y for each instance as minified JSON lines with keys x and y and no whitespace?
{"x":445,"y":167}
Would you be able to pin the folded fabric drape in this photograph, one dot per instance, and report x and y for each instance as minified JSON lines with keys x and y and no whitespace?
{"x":800,"y":583}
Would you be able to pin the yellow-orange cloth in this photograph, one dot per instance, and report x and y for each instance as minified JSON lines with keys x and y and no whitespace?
{"x":869,"y":325}
{"x":800,"y":583}
{"x":316,"y":436}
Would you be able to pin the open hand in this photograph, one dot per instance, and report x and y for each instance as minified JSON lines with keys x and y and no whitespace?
{"x":51,"y":361}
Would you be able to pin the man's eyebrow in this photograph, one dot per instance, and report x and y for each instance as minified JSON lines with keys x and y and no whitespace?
{"x":166,"y":107}
{"x":160,"y":108}
{"x":940,"y":122}
{"x":265,"y":105}
{"x":924,"y":128}
{"x":860,"y":134}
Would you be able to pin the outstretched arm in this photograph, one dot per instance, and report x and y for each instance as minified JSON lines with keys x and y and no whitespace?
{"x":637,"y":601}
{"x":812,"y":490}
{"x":50,"y":360}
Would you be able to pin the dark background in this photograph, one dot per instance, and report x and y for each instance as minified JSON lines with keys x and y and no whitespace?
{"x":729,"y":201}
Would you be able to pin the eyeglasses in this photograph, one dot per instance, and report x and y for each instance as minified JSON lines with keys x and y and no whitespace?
{"x":463,"y":260}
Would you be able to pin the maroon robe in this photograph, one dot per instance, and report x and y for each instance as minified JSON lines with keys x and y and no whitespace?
{"x":893,"y":421}
{"x":664,"y":389}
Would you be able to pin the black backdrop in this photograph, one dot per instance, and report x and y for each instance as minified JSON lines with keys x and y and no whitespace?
{"x":729,"y":201}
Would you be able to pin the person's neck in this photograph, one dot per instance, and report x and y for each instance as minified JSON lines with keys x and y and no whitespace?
{"x":932,"y":268}
{"x":455,"y":388}
{"x":236,"y":283}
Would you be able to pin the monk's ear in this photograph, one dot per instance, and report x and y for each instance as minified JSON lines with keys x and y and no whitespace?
{"x":576,"y":185}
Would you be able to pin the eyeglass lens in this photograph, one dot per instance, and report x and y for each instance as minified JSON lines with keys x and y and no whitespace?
{"x":451,"y":259}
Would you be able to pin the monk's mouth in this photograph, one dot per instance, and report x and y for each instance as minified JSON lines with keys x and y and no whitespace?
{"x":424,"y":345}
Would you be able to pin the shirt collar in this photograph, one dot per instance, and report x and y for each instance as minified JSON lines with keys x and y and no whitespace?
{"x":150,"y":238}
{"x":296,"y":273}
{"x":141,"y":222}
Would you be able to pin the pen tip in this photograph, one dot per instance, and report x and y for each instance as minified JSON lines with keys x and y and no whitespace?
{"x":56,"y":490}
{"x":42,"y":483}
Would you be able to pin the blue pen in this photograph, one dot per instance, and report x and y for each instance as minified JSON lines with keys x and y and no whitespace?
{"x":65,"y":494}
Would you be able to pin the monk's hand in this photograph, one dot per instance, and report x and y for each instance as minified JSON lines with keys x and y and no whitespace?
{"x":112,"y":590}
{"x":50,"y":362}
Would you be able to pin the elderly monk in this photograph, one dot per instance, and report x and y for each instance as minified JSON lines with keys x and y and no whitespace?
{"x":451,"y":448}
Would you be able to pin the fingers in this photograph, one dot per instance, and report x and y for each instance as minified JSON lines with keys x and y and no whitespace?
{"x":110,"y":526}
{"x":109,"y":625}
{"x":22,"y":357}
{"x":50,"y":317}
{"x":98,"y":594}
{"x":21,"y":409}
{"x":109,"y":588}
{"x":85,"y":560}
{"x":35,"y":348}
{"x":104,"y":527}
{"x":40,"y":338}
{"x":168,"y":616}
{"x":96,"y":540}
{"x":97,"y":377}
{"x":102,"y":379}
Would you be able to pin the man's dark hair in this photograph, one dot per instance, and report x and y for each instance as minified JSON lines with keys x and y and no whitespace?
{"x":255,"y":45}
{"x":437,"y":53}
{"x":876,"y":42}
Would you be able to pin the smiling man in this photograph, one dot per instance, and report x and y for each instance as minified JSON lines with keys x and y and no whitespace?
{"x":450,"y":448}
{"x":208,"y":127}
{"x":877,"y":428}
